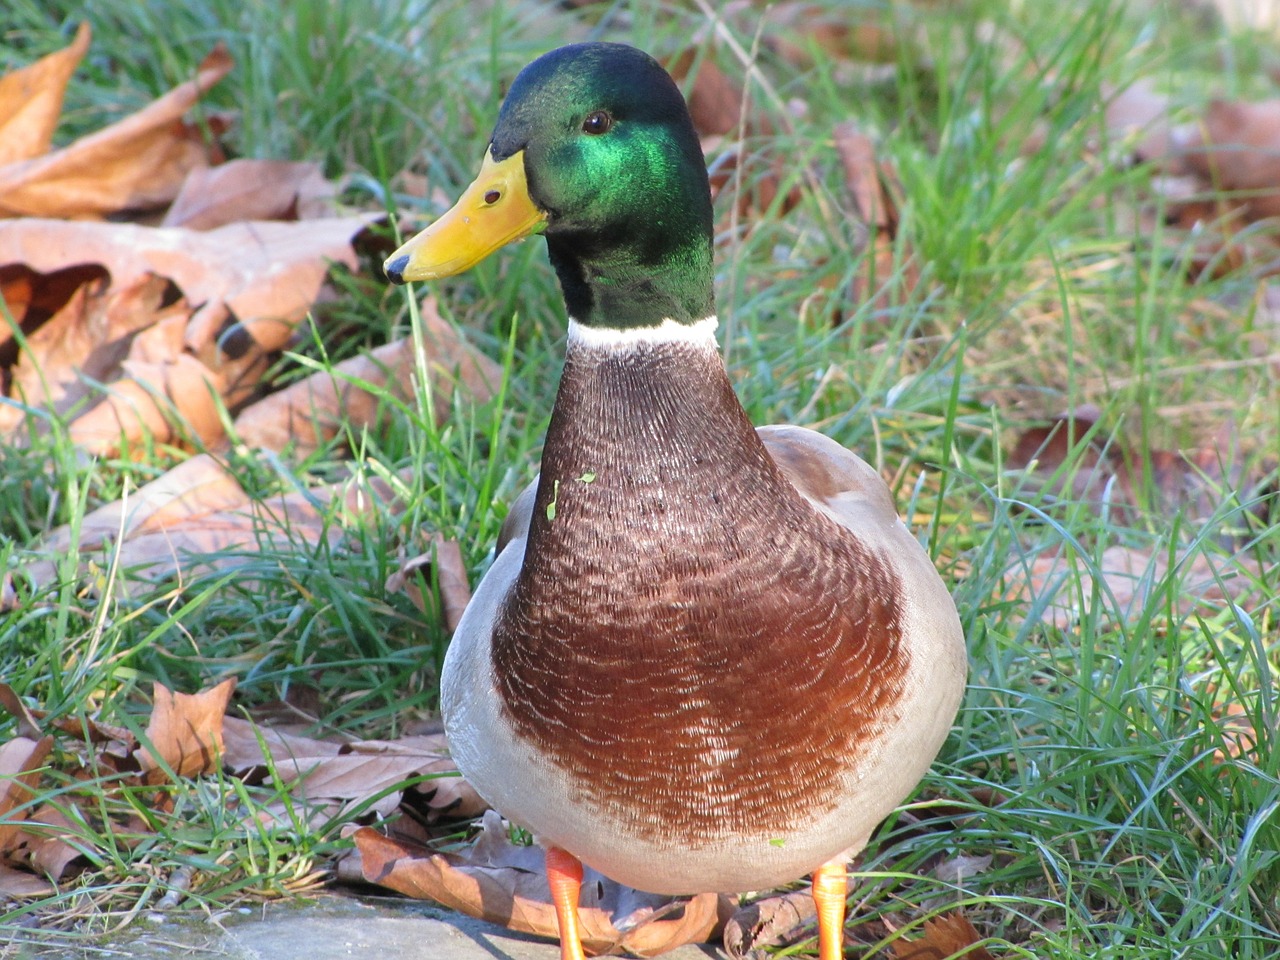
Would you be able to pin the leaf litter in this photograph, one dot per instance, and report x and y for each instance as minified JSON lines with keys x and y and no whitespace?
{"x":136,"y":332}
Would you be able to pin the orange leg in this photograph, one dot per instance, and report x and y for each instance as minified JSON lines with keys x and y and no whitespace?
{"x":564,"y":876}
{"x":830,"y":887}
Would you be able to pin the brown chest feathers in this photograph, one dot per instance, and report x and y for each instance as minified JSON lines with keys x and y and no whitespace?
{"x":703,"y":652}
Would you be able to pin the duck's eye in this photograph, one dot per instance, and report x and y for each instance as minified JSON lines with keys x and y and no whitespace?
{"x":597,"y":123}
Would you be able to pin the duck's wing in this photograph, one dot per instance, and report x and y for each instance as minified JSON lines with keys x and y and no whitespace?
{"x":836,"y":481}
{"x":516,"y":525}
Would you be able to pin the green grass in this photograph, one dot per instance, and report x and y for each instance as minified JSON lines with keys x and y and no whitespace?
{"x":1127,"y":828}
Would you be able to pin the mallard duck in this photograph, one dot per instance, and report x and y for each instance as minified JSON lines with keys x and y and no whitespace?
{"x":707,"y":657}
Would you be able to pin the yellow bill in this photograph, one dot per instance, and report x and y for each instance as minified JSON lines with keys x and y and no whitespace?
{"x":494,"y":211}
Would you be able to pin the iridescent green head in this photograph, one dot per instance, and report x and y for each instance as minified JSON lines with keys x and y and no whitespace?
{"x":595,"y":149}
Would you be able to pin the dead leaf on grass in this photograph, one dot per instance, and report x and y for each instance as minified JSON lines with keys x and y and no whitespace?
{"x":885,"y":277}
{"x":20,"y":762}
{"x":23,"y":885}
{"x":950,"y":937}
{"x":445,"y":559}
{"x":185,"y":732}
{"x":503,"y":883}
{"x":355,"y":394}
{"x":1127,"y":579}
{"x":133,"y":165}
{"x":354,"y":771}
{"x":166,"y":369}
{"x":1059,"y":462}
{"x":31,"y":100}
{"x":245,"y":189}
{"x":769,"y":922}
{"x":197,"y":518}
{"x":733,"y":136}
{"x":1235,"y":150}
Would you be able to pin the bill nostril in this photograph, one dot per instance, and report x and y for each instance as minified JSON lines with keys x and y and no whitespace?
{"x":492,"y":196}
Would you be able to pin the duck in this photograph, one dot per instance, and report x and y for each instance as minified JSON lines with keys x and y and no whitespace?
{"x":706,"y":657}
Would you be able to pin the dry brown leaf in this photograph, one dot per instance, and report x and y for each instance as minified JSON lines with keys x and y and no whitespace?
{"x":28,"y":722}
{"x":856,"y":32}
{"x":947,"y":937}
{"x":43,"y":843}
{"x":198,"y":518}
{"x":20,"y":762}
{"x":445,"y":557}
{"x":769,"y":922}
{"x":1138,"y":117}
{"x":882,"y":278}
{"x":136,"y":164}
{"x":22,"y":885}
{"x":254,"y":282}
{"x":1235,"y":149}
{"x":245,"y":189}
{"x":506,"y":884}
{"x":1130,"y":577}
{"x":85,"y":342}
{"x":716,"y":104}
{"x":353,"y":771}
{"x":185,"y":732}
{"x":1105,"y":477}
{"x":313,"y":411}
{"x":31,"y":101}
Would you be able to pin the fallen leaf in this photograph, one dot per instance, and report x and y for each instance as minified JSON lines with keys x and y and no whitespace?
{"x":23,"y":885}
{"x":1059,"y":462}
{"x":885,"y":276}
{"x":1127,"y":578}
{"x":245,"y":189}
{"x":44,"y":843}
{"x":445,"y":559}
{"x":1137,"y":117}
{"x":31,"y":100}
{"x":949,"y":937}
{"x":20,"y":762}
{"x":769,"y":922}
{"x":28,"y":723}
{"x":1235,"y":150}
{"x":165,"y":369}
{"x":503,"y":883}
{"x":135,"y":164}
{"x":353,"y":771}
{"x":197,"y":518}
{"x":355,"y":395}
{"x":732,"y":136}
{"x":185,"y":732}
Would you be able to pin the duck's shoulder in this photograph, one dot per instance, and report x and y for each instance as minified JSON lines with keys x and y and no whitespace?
{"x":834,"y":479}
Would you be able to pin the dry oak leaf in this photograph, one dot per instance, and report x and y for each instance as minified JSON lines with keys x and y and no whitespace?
{"x":506,"y":884}
{"x":769,"y":922}
{"x":352,"y":771}
{"x":309,"y":413}
{"x":20,"y":762}
{"x":246,"y":189}
{"x":450,"y":573}
{"x":198,"y":518}
{"x":885,"y":277}
{"x":166,"y":368}
{"x":185,"y":732}
{"x":31,"y":100}
{"x":22,"y":885}
{"x":1057,"y":592}
{"x":136,"y":164}
{"x":949,"y":937}
{"x":1235,"y":150}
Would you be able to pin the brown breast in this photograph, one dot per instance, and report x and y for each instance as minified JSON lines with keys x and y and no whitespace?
{"x":703,"y":652}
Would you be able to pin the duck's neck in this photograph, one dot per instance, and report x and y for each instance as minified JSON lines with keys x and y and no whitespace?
{"x":647,"y":444}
